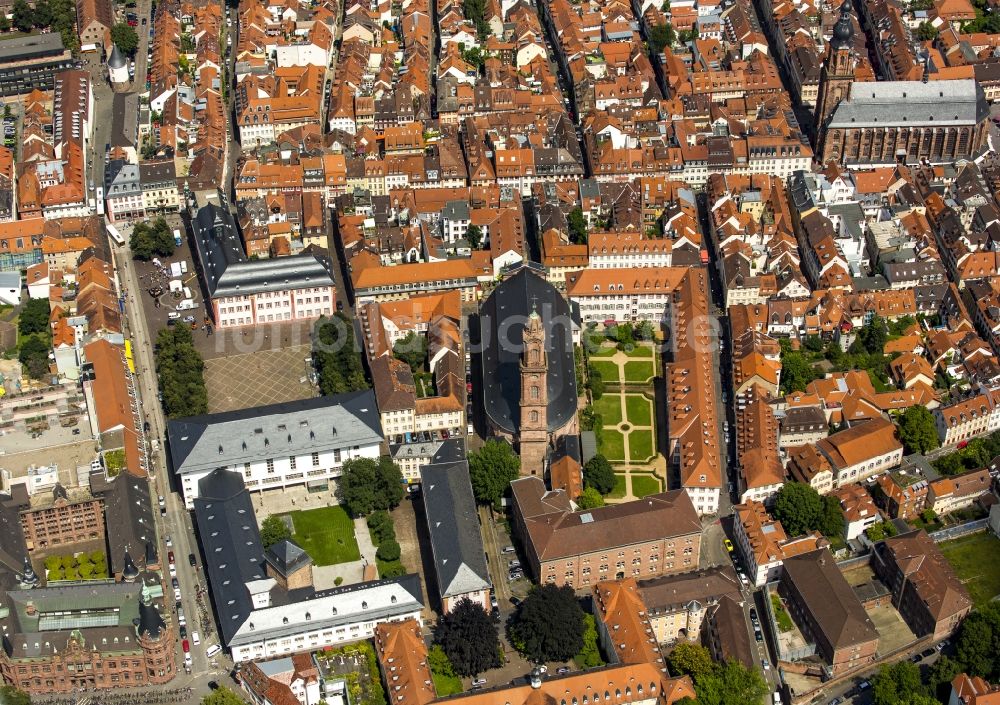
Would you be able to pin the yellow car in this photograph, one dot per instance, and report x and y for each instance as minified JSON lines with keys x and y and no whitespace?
{"x":729,"y":545}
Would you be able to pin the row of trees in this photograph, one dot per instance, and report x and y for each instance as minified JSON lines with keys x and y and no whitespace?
{"x":180,"y":372}
{"x":150,"y":241}
{"x":337,"y":357}
{"x":549,"y":625}
{"x":977,"y":454}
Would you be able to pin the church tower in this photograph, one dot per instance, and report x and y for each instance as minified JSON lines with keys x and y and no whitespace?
{"x":533,"y":435}
{"x":837,"y":74}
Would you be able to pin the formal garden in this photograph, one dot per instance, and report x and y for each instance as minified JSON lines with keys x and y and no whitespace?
{"x":326,"y":534}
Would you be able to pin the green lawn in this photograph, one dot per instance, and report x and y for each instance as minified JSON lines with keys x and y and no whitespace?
{"x":605,"y":351}
{"x":638,"y":371}
{"x":640,"y":446}
{"x":612,"y":445}
{"x":608,"y":370}
{"x":970,"y":558}
{"x":639,"y":410}
{"x":327,"y":534}
{"x":641,"y":351}
{"x":446,"y":685}
{"x":610,"y":408}
{"x":619,"y":489}
{"x":643,"y":485}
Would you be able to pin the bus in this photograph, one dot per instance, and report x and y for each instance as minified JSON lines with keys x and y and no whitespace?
{"x":128,"y":356}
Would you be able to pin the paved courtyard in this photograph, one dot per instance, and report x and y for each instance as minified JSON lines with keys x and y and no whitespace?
{"x":257,"y":378}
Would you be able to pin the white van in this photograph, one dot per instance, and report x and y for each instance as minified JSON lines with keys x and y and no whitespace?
{"x":212,"y":650}
{"x":187,"y":293}
{"x":195,"y":638}
{"x":186,"y":304}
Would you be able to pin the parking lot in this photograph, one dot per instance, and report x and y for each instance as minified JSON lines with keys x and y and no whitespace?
{"x":167,"y":282}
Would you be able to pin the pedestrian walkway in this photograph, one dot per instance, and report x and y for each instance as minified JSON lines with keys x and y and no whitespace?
{"x":364,"y":539}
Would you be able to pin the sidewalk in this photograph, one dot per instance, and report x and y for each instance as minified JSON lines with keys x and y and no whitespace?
{"x":364,"y":538}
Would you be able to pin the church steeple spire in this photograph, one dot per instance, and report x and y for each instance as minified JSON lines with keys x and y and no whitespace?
{"x":534,"y":434}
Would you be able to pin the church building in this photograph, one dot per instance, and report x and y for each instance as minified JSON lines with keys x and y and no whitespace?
{"x":529,"y":378}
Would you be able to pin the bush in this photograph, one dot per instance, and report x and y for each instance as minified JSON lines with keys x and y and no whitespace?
{"x":388,"y":551}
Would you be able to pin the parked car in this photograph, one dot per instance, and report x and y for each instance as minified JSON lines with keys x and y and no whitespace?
{"x":562,"y":670}
{"x":479,"y":681}
{"x":508,"y":549}
{"x":186,"y":646}
{"x":192,"y":560}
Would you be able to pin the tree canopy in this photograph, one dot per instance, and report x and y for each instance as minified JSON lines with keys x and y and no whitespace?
{"x":412,"y":349}
{"x":148,"y":241}
{"x":367,"y":485}
{"x":690,"y":659}
{"x":273,"y":530}
{"x":337,"y":358}
{"x":661,"y":36}
{"x":799,"y":508}
{"x":731,"y":683}
{"x":599,"y":474}
{"x":590,"y":654}
{"x":917,"y":430}
{"x":9,"y":695}
{"x":491,"y":469}
{"x":590,"y":498}
{"x":125,"y":38}
{"x":548,"y":624}
{"x":577,"y":226}
{"x":468,"y":638}
{"x":24,"y":17}
{"x":222,"y":696}
{"x":475,"y":236}
{"x":34,"y":317}
{"x":180,"y":371}
{"x":899,"y":684}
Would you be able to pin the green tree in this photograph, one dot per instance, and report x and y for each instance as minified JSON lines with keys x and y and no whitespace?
{"x":590,"y":654}
{"x":4,"y":24}
{"x":491,"y":469}
{"x":86,"y":570}
{"x":9,"y":695}
{"x":412,"y":349}
{"x":43,"y":14}
{"x":53,"y":562}
{"x":548,"y":624}
{"x":577,"y":226}
{"x":475,"y":236}
{"x":899,"y":684}
{"x":644,"y":331}
{"x":24,"y":17}
{"x":34,"y":355}
{"x":367,"y":485}
{"x":273,"y":530}
{"x":873,"y":336}
{"x":34,"y":317}
{"x":380,"y":526}
{"x":222,"y":696}
{"x":337,"y":357}
{"x":55,"y":574}
{"x":595,"y":383}
{"x":388,"y":551}
{"x":731,"y":683}
{"x":690,"y":659}
{"x":148,"y":241}
{"x":942,"y":672}
{"x":917,"y":430}
{"x":661,"y":36}
{"x":926,"y":32}
{"x":798,"y":507}
{"x":590,"y":498}
{"x":796,"y":372}
{"x":831,"y":520}
{"x":928,"y":515}
{"x":599,"y":474}
{"x":180,"y":371}
{"x":622,"y":333}
{"x":467,"y":636}
{"x":125,"y":38}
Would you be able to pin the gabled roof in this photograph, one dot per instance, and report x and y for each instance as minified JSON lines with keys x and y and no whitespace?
{"x":453,"y":526}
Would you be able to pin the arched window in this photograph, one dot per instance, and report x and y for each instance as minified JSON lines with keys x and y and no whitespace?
{"x":534,"y":417}
{"x":534,"y":392}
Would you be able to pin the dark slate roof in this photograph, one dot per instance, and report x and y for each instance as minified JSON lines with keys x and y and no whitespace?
{"x":227,"y":271}
{"x":230,"y":540}
{"x":133,"y":528}
{"x":150,"y":621}
{"x":505,"y":313}
{"x":199,"y":443}
{"x":286,"y":557}
{"x":830,"y":600}
{"x":30,"y":47}
{"x":937,"y":103}
{"x":453,"y":526}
